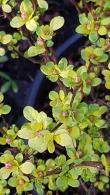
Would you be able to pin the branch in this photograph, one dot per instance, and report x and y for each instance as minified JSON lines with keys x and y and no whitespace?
{"x":95,"y":164}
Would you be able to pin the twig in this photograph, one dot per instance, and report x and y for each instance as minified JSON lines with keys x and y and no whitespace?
{"x":95,"y":164}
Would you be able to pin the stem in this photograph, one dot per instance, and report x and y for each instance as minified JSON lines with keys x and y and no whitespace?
{"x":95,"y":164}
{"x":56,"y":127}
{"x":75,"y":5}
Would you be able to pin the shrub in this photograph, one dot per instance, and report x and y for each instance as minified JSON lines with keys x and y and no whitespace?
{"x":75,"y":134}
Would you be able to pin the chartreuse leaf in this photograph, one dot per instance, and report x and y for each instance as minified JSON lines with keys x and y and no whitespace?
{"x":6,"y":8}
{"x":105,"y":164}
{"x":35,"y":50}
{"x":31,"y":25}
{"x":42,"y":4}
{"x":27,"y":167}
{"x":2,"y":51}
{"x":17,"y":22}
{"x":30,"y":113}
{"x":56,"y":23}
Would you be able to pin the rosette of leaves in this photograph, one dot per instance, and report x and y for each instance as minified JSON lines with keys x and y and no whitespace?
{"x":87,"y":24}
{"x":21,"y":183}
{"x":92,"y":25}
{"x":26,"y":16}
{"x":36,"y":130}
{"x":4,"y":109}
{"x":10,"y":165}
{"x":83,"y":150}
{"x":93,"y":55}
{"x":60,"y":103}
{"x":55,"y":72}
{"x":93,"y":116}
{"x":82,"y":79}
{"x":46,"y":32}
{"x":9,"y":135}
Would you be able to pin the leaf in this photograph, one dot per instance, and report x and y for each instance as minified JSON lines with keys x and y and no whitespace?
{"x":4,"y":75}
{"x":56,"y":23}
{"x":105,"y":21}
{"x":62,"y":138}
{"x":96,"y":82}
{"x":42,"y":4}
{"x":6,"y":39}
{"x":102,"y":31}
{"x":27,"y":167}
{"x":5,"y":87}
{"x":73,"y":183}
{"x":19,"y":157}
{"x":61,"y":182}
{"x":93,"y":36}
{"x":35,"y":50}
{"x":12,"y":182}
{"x":4,"y":174}
{"x":30,"y":113}
{"x":38,"y":144}
{"x":2,"y":51}
{"x":51,"y":146}
{"x":105,"y":164}
{"x":6,"y":8}
{"x":17,"y":22}
{"x":14,"y":86}
{"x":26,"y":133}
{"x":1,"y":97}
{"x":6,"y":109}
{"x":53,"y":95}
{"x":31,"y":25}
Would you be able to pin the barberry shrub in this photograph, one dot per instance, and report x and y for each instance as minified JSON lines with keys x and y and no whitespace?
{"x":75,"y":139}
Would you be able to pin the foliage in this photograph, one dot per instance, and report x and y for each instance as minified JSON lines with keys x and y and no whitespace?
{"x":73,"y":138}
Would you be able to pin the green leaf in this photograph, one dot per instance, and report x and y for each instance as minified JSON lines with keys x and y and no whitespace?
{"x":5,"y":87}
{"x":26,"y":133}
{"x":61,"y":182}
{"x":105,"y":164}
{"x":6,"y":39}
{"x":62,"y":138}
{"x":56,"y":23}
{"x":4,"y":174}
{"x":6,"y":8}
{"x":105,"y":21}
{"x":96,"y":82}
{"x":35,"y":50}
{"x":14,"y":86}
{"x":19,"y":157}
{"x":1,"y":97}
{"x":31,"y":25}
{"x":38,"y":144}
{"x":42,"y":4}
{"x":30,"y":113}
{"x":2,"y":51}
{"x":17,"y":22}
{"x":73,"y":183}
{"x":102,"y":31}
{"x":12,"y":182}
{"x":27,"y":167}
{"x":93,"y":36}
{"x":6,"y":109}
